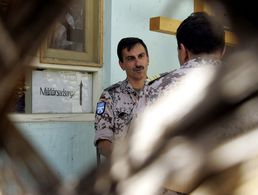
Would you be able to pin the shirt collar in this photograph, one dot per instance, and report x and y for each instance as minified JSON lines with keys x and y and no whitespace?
{"x":200,"y":61}
{"x":127,"y":86}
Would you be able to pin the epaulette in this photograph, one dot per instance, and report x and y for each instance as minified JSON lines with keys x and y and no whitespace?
{"x":153,"y":78}
{"x":112,"y":86}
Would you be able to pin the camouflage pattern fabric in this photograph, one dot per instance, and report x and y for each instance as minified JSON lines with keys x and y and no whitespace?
{"x":115,"y":110}
{"x":157,"y":87}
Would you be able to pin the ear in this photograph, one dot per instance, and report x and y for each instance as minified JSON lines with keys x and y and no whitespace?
{"x":183,"y":54}
{"x":121,"y":65}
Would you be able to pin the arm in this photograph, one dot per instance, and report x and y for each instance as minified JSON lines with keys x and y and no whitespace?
{"x":104,"y":125}
{"x":105,"y":147}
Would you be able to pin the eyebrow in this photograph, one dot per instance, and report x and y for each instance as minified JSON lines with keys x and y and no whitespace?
{"x":127,"y":57}
{"x":142,"y":53}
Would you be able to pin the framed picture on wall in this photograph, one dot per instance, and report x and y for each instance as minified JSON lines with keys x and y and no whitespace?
{"x":76,"y":38}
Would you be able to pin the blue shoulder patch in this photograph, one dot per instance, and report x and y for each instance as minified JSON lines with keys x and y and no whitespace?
{"x":100,"y":108}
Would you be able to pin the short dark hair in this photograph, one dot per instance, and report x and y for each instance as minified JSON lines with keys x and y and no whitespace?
{"x":201,"y":33}
{"x":129,"y":43}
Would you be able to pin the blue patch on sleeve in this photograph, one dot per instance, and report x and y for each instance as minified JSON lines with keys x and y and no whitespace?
{"x":100,"y":108}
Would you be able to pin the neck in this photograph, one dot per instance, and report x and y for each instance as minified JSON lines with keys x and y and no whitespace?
{"x":215,"y":55}
{"x":137,"y":84}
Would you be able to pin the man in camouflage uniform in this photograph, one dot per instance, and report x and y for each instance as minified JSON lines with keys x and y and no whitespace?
{"x":201,"y":43}
{"x":115,"y":107}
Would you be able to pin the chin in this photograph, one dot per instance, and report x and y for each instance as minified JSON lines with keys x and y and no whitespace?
{"x":141,"y":78}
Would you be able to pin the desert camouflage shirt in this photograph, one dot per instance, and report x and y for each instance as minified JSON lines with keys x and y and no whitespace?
{"x":166,"y":81}
{"x":115,"y":110}
{"x":157,"y":87}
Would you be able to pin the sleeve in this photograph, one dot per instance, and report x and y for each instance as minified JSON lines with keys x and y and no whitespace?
{"x":104,"y":118}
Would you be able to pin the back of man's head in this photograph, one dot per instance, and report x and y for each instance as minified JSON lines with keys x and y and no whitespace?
{"x":201,"y":33}
{"x":129,"y":43}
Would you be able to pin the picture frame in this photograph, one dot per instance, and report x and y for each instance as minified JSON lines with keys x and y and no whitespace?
{"x":77,"y":37}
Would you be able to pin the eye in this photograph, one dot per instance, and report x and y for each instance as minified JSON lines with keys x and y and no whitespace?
{"x":142,"y":55}
{"x":130,"y":58}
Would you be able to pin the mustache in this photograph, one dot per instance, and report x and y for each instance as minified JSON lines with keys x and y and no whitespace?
{"x":138,"y":67}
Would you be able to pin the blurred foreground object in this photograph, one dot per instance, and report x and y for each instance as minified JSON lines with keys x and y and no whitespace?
{"x":23,"y":27}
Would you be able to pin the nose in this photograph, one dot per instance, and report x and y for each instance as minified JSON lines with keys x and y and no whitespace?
{"x":137,"y":61}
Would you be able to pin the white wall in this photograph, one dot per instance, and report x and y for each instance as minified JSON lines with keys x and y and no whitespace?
{"x":131,"y":18}
{"x":66,"y":147}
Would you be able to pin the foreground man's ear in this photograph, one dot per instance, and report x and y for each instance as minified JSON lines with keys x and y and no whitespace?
{"x":183,"y":54}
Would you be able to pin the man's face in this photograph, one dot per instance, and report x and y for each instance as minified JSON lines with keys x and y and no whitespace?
{"x":135,"y":62}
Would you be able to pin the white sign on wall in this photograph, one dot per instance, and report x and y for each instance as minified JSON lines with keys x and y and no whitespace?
{"x":61,"y":92}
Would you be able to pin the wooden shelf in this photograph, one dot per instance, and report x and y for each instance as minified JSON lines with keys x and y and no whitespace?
{"x":169,"y":26}
{"x":164,"y":25}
